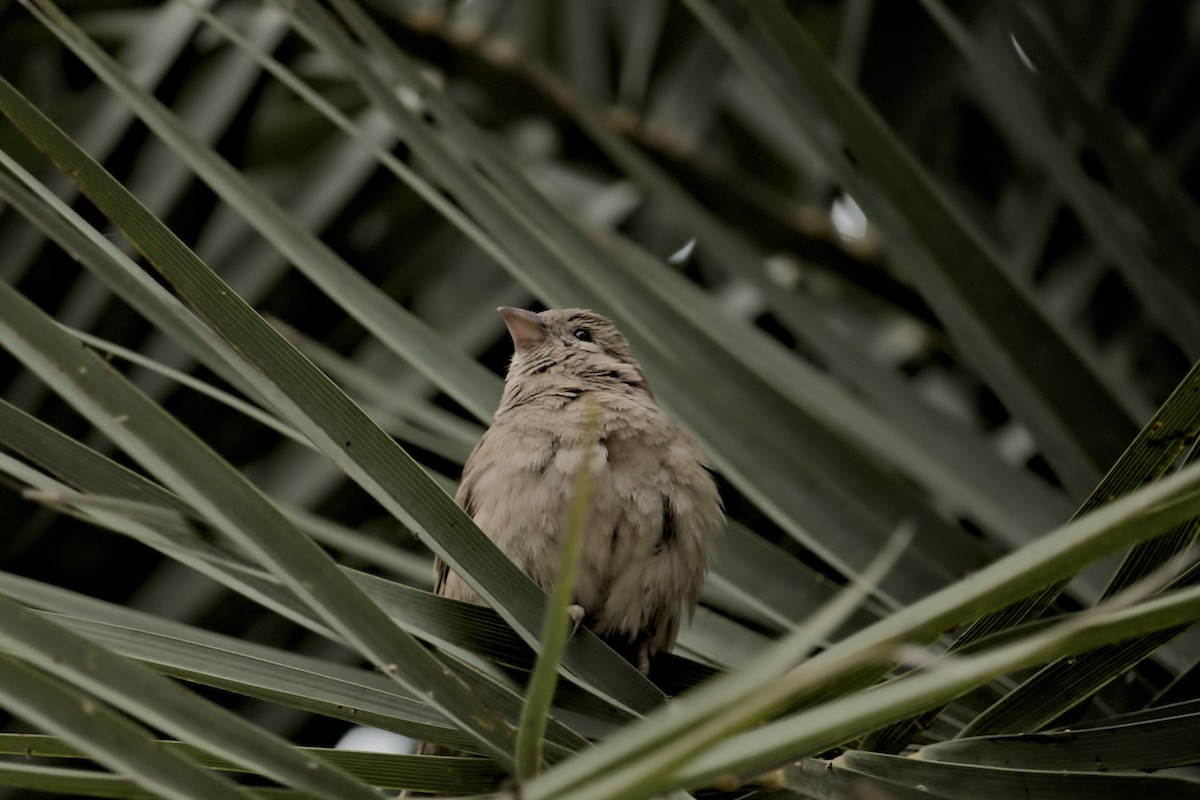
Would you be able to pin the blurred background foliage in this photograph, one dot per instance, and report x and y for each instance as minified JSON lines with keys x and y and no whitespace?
{"x":935,"y":261}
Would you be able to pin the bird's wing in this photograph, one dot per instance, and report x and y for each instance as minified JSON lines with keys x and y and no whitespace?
{"x":441,"y":571}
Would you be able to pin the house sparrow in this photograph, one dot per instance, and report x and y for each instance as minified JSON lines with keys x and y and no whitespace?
{"x":574,"y":392}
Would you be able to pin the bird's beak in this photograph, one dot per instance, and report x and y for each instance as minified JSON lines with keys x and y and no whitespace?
{"x":526,"y":328}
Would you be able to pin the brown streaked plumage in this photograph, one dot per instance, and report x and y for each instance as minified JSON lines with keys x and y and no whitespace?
{"x":654,"y":510}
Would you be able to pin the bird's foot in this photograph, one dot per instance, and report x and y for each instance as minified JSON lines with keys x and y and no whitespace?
{"x":643,"y":658}
{"x":576,"y":613}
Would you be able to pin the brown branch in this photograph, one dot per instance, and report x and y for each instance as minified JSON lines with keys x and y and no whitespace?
{"x":770,"y":221}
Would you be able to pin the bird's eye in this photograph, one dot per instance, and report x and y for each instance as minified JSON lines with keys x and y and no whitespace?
{"x":582,"y":334}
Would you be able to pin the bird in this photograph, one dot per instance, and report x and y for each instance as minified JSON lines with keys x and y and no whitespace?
{"x":576,"y":398}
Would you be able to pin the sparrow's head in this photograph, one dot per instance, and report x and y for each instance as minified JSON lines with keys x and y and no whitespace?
{"x":570,"y":347}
